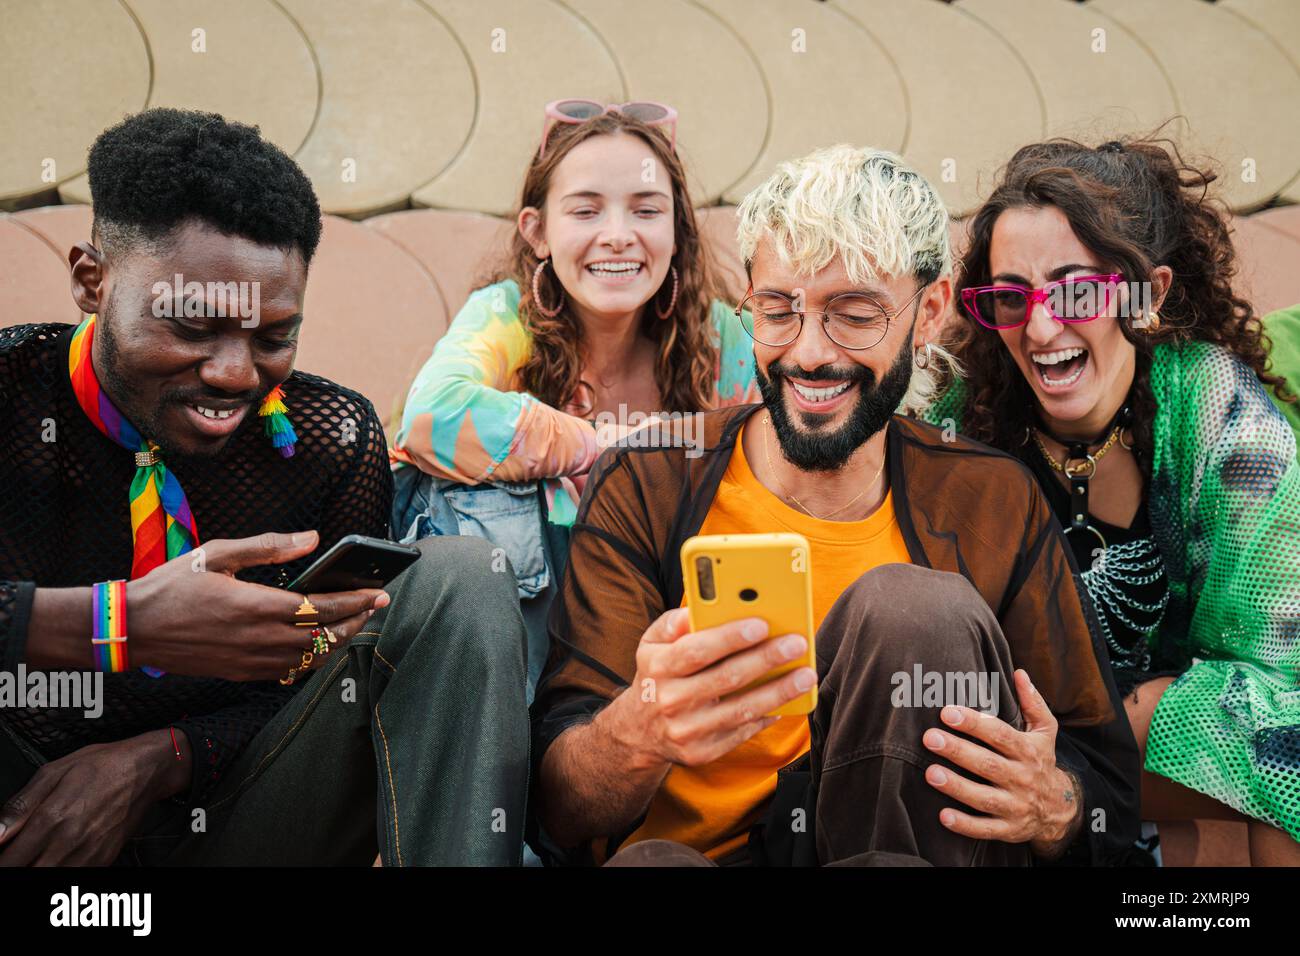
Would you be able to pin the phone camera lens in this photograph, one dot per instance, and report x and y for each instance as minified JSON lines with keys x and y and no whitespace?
{"x":704,"y":574}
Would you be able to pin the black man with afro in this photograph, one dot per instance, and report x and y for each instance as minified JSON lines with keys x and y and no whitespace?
{"x":167,"y":473}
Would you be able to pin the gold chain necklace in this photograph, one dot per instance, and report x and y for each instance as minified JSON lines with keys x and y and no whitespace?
{"x":768,"y":455}
{"x":1076,"y":471}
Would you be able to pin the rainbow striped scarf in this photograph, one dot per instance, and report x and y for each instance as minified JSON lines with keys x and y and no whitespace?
{"x":162,"y":525}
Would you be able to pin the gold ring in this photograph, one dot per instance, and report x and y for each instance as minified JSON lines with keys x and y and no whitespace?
{"x":306,"y":615}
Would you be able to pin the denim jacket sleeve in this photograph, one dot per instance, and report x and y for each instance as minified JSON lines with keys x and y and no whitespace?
{"x":507,"y":514}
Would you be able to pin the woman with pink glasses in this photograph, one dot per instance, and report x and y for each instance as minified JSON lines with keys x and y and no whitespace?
{"x":1101,"y":343}
{"x":606,"y":311}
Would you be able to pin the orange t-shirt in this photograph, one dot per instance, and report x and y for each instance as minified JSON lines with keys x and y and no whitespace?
{"x":712,"y":807}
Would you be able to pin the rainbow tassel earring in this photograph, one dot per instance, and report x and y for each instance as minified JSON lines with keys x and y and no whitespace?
{"x":277,"y":425}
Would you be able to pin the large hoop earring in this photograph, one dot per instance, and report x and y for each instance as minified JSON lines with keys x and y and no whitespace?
{"x":537,"y":294}
{"x":664,"y":313}
{"x":922,"y":358}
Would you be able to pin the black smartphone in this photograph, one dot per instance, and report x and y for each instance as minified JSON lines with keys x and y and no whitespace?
{"x":354,"y":563}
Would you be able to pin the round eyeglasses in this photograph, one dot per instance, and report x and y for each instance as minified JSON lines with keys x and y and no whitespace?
{"x":853,"y":320}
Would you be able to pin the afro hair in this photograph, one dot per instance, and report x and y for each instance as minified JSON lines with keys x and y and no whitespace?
{"x":156,"y":169}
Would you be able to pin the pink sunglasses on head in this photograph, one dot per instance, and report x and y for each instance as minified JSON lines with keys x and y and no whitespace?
{"x":579,"y":111}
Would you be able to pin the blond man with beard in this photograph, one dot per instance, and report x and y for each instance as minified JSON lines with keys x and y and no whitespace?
{"x":926,"y":549}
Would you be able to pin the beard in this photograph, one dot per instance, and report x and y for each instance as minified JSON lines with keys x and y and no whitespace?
{"x":811,"y":448}
{"x":116,"y":381}
{"x":147,"y":417}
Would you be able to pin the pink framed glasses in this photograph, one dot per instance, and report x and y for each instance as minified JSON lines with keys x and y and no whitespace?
{"x":1070,"y":300}
{"x":579,"y":111}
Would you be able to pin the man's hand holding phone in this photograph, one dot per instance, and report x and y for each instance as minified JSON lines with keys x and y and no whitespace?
{"x":192,"y":616}
{"x":683,"y":706}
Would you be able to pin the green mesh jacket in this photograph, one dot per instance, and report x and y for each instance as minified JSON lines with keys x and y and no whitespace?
{"x":1224,"y":504}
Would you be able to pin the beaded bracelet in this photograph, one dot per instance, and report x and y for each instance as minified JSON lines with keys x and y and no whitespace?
{"x":108,"y":617}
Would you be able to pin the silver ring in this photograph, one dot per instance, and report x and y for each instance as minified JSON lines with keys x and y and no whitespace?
{"x":1100,"y":537}
{"x":1073,"y":474}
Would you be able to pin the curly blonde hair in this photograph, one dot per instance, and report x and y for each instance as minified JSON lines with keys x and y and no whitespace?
{"x":864,"y":206}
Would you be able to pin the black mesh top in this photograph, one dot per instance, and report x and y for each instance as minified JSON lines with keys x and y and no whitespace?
{"x":64,"y":522}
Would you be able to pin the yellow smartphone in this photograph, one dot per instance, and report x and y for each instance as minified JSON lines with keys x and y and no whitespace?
{"x":732,"y":576}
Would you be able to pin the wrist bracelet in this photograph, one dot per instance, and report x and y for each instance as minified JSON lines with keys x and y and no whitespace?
{"x":175,"y":746}
{"x":108,"y":619}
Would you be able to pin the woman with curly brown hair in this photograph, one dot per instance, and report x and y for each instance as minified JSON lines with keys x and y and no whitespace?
{"x":606,"y":314}
{"x":1102,"y":344}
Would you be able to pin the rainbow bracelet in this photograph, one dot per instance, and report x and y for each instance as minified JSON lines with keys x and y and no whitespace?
{"x":108,"y":615}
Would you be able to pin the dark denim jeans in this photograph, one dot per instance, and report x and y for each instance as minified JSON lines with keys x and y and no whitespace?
{"x":513,"y":517}
{"x":411,"y":742}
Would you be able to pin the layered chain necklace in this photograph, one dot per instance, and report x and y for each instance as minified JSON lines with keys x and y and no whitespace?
{"x":1111,"y":583}
{"x":767,"y":454}
{"x":1117,"y":571}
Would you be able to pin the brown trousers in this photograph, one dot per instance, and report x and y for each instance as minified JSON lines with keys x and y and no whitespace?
{"x":870,"y":802}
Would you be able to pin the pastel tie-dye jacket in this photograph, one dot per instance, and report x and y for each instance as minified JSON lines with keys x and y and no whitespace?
{"x":467,"y":420}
